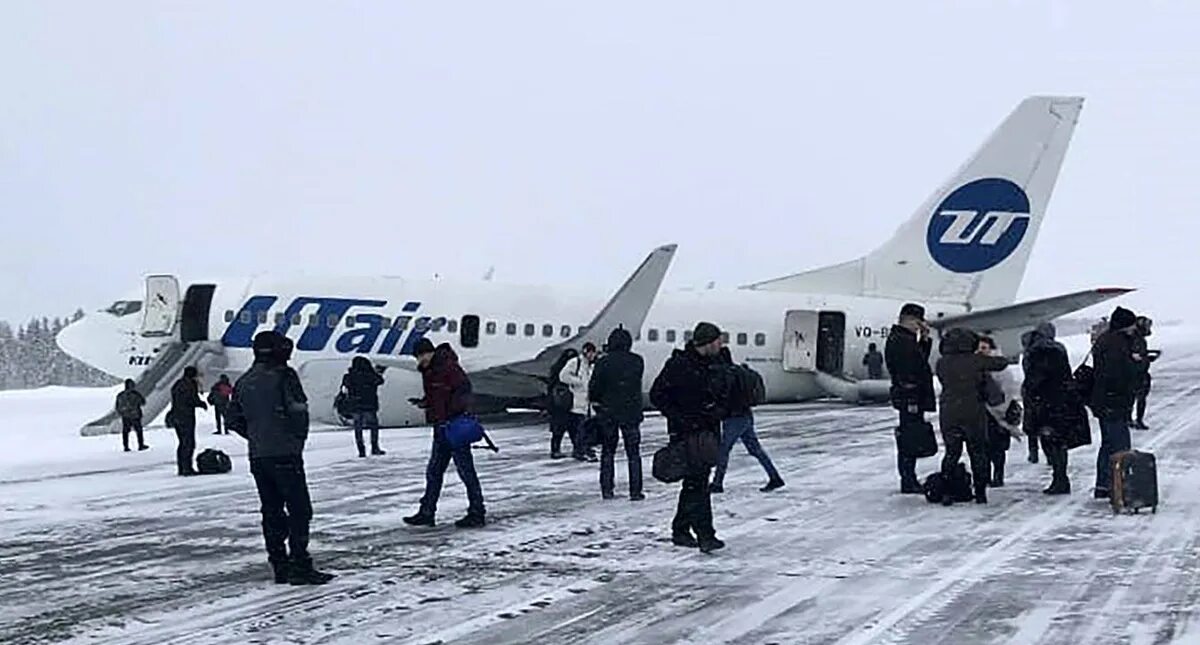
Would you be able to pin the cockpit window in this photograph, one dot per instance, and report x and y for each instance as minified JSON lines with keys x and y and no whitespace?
{"x":125,"y":307}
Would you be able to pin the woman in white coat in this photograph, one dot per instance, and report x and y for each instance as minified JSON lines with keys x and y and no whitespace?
{"x":576,"y":375}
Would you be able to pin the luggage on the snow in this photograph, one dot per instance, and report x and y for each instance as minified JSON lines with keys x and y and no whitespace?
{"x":916,"y":439}
{"x":670,"y":463}
{"x":1134,"y":482}
{"x":958,"y":488}
{"x":213,"y":462}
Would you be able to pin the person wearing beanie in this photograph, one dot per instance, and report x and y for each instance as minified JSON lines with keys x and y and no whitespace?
{"x":907,"y":356}
{"x":1116,"y":373}
{"x":615,"y":391}
{"x":276,"y":449}
{"x":693,"y":396}
{"x":185,"y":398}
{"x":129,"y":406}
{"x":447,"y":395}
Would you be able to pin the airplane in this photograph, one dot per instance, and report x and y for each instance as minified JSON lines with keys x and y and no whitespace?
{"x":962,"y":254}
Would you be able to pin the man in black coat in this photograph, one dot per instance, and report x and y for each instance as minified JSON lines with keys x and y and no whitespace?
{"x":361,"y":383}
{"x":185,"y":398}
{"x":907,"y":356}
{"x":615,"y":390}
{"x":269,"y":408}
{"x":692,"y":396}
{"x":129,"y":406}
{"x":1117,"y":370}
{"x":1051,"y":401}
{"x":1142,"y":388}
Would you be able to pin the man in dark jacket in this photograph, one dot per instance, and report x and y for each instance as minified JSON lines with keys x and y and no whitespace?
{"x":1142,"y":331}
{"x":219,"y":397}
{"x":1050,"y":401}
{"x":873,"y":361}
{"x":361,"y":384}
{"x":907,"y":355}
{"x":963,"y":370}
{"x":129,"y":406}
{"x":615,"y":391}
{"x":269,"y":408}
{"x":692,"y":396}
{"x":447,"y":395}
{"x":185,"y":398}
{"x":1117,"y":369}
{"x":739,"y":425}
{"x":1027,"y":421}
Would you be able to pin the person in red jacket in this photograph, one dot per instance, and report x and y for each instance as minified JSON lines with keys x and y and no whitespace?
{"x":447,"y":395}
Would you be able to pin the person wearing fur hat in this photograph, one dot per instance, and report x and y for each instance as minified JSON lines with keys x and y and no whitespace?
{"x":1116,"y":373}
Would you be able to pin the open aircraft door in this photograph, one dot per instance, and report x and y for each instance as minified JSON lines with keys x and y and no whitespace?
{"x":800,"y":341}
{"x":161,"y":309}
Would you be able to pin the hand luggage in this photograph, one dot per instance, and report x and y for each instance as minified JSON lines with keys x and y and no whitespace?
{"x":213,"y":462}
{"x":1134,"y":482}
{"x":916,"y":439}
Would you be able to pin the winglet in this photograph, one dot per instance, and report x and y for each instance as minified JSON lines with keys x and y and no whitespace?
{"x":628,"y":307}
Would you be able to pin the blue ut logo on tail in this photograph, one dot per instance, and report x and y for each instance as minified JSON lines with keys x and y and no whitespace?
{"x":979,"y":225}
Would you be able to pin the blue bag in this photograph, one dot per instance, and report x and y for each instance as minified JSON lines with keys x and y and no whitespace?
{"x":463,"y":430}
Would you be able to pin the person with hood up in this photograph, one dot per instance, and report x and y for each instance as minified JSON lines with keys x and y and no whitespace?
{"x":1116,"y":373}
{"x":873,"y":361}
{"x":1049,"y":394}
{"x":1141,"y":391}
{"x":185,"y":398}
{"x":1003,"y":394}
{"x":963,"y":371}
{"x":693,"y":397}
{"x":907,"y":355}
{"x":615,"y":391}
{"x":270,"y":410}
{"x":129,"y":406}
{"x":576,"y":374}
{"x":559,"y":401}
{"x":218,"y":397}
{"x":361,"y":384}
{"x":447,"y":395}
{"x":739,"y":426}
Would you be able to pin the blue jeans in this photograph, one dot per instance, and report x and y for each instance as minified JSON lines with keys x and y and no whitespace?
{"x":1114,"y":437}
{"x":741,"y":429}
{"x":440,"y":457}
{"x":366,"y":420}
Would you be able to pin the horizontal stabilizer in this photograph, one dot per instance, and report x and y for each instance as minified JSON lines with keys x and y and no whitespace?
{"x":1028,"y":314}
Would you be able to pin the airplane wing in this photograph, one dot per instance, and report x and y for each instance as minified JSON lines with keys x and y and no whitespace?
{"x":1027,"y":314}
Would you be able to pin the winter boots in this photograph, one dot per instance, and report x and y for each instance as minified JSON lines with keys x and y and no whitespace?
{"x":471,"y":522}
{"x":299,"y":574}
{"x":1059,"y":486}
{"x":774,"y":484}
{"x":420,"y":519}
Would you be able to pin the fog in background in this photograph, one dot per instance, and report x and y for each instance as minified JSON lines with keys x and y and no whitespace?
{"x":561,"y":141}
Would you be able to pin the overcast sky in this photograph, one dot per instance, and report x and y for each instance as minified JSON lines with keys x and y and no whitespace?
{"x":560,"y":142}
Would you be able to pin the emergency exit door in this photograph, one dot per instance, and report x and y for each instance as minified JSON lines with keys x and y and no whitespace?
{"x":161,"y":308}
{"x":800,"y":341}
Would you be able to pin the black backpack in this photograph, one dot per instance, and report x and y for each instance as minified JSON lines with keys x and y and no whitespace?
{"x":753,"y":386}
{"x":958,"y":488}
{"x":213,"y":462}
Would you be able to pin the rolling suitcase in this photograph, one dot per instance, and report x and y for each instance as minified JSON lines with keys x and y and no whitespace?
{"x":1134,"y":482}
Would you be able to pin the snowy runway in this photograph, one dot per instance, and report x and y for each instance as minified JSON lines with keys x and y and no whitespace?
{"x":98,"y":546}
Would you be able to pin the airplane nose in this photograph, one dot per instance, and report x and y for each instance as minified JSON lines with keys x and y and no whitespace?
{"x":71,"y":339}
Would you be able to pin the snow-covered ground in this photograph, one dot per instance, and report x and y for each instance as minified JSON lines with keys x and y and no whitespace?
{"x":101,"y":546}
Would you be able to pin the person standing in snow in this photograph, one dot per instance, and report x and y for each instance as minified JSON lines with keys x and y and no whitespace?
{"x":361,"y":384}
{"x":615,"y":390}
{"x":1142,"y":389}
{"x":219,"y":397}
{"x":1053,"y":405}
{"x":185,"y":398}
{"x":129,"y":406}
{"x":907,"y":355}
{"x":1004,"y":413}
{"x":873,"y":361}
{"x":1116,"y":373}
{"x":576,"y":374}
{"x":270,"y":410}
{"x":559,"y":401}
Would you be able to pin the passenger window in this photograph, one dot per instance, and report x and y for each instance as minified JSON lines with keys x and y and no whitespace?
{"x":511,"y":329}
{"x":437,"y":324}
{"x":582,"y":329}
{"x":670,"y":335}
{"x":490,"y":328}
{"x":385,"y":322}
{"x":402,"y":322}
{"x":470,"y":331}
{"x":262,"y":317}
{"x":228,"y":315}
{"x":244,"y":317}
{"x":725,"y":337}
{"x":760,"y":339}
{"x":652,"y":335}
{"x":297,"y":319}
{"x":452,"y":326}
{"x":530,"y":330}
{"x":314,"y":321}
{"x":687,"y":336}
{"x":331,"y":321}
{"x":350,"y":321}
{"x":566,"y":331}
{"x":742,"y":339}
{"x":548,"y":331}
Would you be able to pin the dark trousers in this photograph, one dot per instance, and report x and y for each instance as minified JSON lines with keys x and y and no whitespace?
{"x":1056,"y":455}
{"x":631,"y":434}
{"x":286,"y":507}
{"x":694,"y":513}
{"x":975,"y":438}
{"x":907,"y":466}
{"x":370,"y":421}
{"x":440,"y":456}
{"x":1140,"y":402}
{"x":1114,"y":438}
{"x":564,"y":424}
{"x":218,"y":416}
{"x":132,"y":425}
{"x":185,"y":431}
{"x":742,"y":429}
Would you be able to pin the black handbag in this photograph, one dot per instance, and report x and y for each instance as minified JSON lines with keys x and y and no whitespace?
{"x":915,"y":439}
{"x":670,"y":463}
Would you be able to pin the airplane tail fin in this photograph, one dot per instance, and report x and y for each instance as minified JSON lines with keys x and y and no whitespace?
{"x":969,"y":242}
